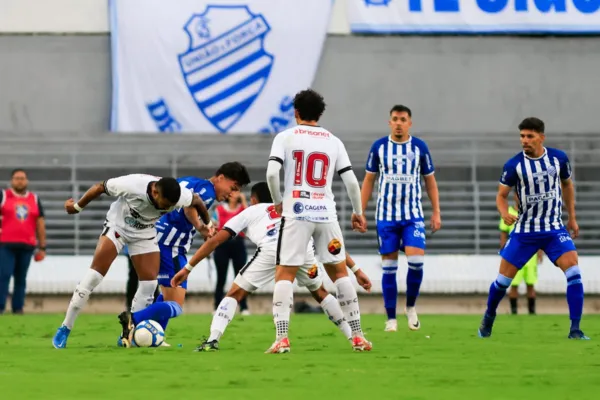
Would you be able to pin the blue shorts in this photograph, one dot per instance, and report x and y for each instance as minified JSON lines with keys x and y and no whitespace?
{"x":395,"y":235}
{"x":520,"y":247}
{"x":170,"y":265}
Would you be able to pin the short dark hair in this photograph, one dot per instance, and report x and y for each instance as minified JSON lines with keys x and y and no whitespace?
{"x":401,"y":108}
{"x":169,"y":189}
{"x":309,"y":104}
{"x":234,"y":171}
{"x":261,"y":192}
{"x":532,"y":124}
{"x":14,"y":171}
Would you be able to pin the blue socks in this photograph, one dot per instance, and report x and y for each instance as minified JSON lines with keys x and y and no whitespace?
{"x":390,"y":287}
{"x":574,"y":296}
{"x":414,"y":277}
{"x":160,"y":312}
{"x":497,"y":292}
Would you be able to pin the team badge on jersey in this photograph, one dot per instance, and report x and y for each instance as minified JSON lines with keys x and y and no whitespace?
{"x":334,"y":247}
{"x":22,"y":211}
{"x":226,"y":66}
{"x":313,"y":271}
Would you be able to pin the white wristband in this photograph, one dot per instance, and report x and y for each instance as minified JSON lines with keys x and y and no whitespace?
{"x":77,"y":207}
{"x":210,"y":224}
{"x":189,"y":267}
{"x":355,"y":268}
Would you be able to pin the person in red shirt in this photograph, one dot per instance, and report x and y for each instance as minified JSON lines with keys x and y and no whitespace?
{"x":234,"y":249}
{"x":21,"y":231}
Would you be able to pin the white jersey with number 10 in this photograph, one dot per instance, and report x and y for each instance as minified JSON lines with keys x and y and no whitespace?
{"x":310,"y":155}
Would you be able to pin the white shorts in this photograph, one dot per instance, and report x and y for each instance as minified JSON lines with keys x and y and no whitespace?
{"x":294,"y":236}
{"x":260,"y":270}
{"x":139,"y":243}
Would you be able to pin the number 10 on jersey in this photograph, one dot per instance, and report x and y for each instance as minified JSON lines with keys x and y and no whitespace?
{"x":315,"y":173}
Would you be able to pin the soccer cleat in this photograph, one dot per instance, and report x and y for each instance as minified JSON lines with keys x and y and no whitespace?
{"x":164,"y":344}
{"x":391,"y":325}
{"x":213,"y":345}
{"x":359,"y":343}
{"x":413,"y":318}
{"x":279,"y":346}
{"x":246,"y":313}
{"x":485,"y":329}
{"x":127,"y":323}
{"x":59,"y":341}
{"x":578,"y":335}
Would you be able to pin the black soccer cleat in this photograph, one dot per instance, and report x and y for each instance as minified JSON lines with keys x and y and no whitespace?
{"x":213,"y":345}
{"x":485,"y":329}
{"x":126,"y":322}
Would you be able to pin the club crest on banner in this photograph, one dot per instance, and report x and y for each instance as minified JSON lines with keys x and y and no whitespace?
{"x":226,"y":65}
{"x":377,"y":2}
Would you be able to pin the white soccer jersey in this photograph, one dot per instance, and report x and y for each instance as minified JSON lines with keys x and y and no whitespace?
{"x":310,"y":155}
{"x":134,"y":211}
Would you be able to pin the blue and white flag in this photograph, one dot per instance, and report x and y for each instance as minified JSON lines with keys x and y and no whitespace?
{"x":474,"y":16}
{"x":220,"y":66}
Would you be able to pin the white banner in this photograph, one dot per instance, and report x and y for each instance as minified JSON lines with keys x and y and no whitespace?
{"x":474,"y":16}
{"x":220,"y":66}
{"x":451,"y":274}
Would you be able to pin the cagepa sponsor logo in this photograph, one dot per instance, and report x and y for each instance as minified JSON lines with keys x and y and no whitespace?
{"x":315,"y":208}
{"x":536,"y":198}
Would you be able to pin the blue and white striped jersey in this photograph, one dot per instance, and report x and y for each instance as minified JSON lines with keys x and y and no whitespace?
{"x":173,"y":229}
{"x":537,"y":182}
{"x":400,"y":166}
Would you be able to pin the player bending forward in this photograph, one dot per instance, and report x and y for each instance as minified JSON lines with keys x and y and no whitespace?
{"x":310,"y":155}
{"x":542,"y":177}
{"x":262,"y":224}
{"x":141,"y":201}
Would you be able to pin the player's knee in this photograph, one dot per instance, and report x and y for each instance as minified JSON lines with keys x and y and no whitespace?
{"x":319,"y":294}
{"x":237,"y":293}
{"x":390,"y":256}
{"x":567,"y":260}
{"x":336,"y":271}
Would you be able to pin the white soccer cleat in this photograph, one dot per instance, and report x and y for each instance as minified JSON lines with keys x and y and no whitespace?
{"x":280,"y":346}
{"x":164,"y":344}
{"x":391,"y":325}
{"x":413,"y":318}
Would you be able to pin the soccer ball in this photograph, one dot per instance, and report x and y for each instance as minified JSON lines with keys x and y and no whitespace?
{"x":148,"y":333}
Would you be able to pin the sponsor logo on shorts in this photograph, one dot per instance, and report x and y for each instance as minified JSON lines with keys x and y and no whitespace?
{"x":298,"y":208}
{"x":334,"y":247}
{"x":537,"y":198}
{"x":313,"y":272}
{"x":301,"y":194}
{"x":565,"y":238}
{"x":419,"y":234}
{"x":420,"y":224}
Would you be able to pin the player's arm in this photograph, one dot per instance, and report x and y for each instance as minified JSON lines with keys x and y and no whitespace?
{"x":197,"y":211}
{"x":370,"y":174}
{"x":276,"y":159}
{"x":568,"y":189}
{"x":111,"y":187}
{"x":41,"y":232}
{"x":502,"y":204}
{"x":362,"y":278}
{"x":434,"y":197}
{"x":344,"y":170}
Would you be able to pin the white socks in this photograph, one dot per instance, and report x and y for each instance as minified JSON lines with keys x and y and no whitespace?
{"x":144,"y":295}
{"x":348,"y":299}
{"x":222,"y":318}
{"x":81,"y":295}
{"x":283,"y":300}
{"x":332,"y":309}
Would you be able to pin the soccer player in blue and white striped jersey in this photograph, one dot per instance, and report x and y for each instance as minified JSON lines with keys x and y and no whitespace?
{"x":401,"y":160}
{"x":175,"y":233}
{"x":541,"y":177}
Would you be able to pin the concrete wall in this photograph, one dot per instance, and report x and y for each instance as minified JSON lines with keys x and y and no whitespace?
{"x":470,"y":85}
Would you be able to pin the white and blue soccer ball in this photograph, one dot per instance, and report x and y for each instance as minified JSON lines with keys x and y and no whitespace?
{"x":148,"y":333}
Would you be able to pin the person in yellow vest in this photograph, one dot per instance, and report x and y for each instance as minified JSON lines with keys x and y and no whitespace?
{"x":528,"y":272}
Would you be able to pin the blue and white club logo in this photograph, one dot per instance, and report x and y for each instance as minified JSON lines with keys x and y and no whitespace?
{"x":298,"y":208}
{"x":377,"y":2}
{"x":226,"y":66}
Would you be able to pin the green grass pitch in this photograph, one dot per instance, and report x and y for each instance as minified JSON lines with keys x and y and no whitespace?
{"x":526,"y":358}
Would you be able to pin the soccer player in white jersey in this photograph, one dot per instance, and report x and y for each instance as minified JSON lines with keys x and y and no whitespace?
{"x":541,"y":177}
{"x":310,"y":156}
{"x":262,"y":224}
{"x":141,"y":201}
{"x":401,"y":159}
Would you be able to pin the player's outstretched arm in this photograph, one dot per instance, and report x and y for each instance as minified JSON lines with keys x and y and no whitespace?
{"x":568,"y":190}
{"x":204,"y":251}
{"x":196,"y":211}
{"x":502,"y":204}
{"x":367,"y":189}
{"x":92,"y":193}
{"x":434,"y":196}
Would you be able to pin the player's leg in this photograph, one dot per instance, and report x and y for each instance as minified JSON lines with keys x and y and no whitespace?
{"x":239,"y":258}
{"x":23,"y":260}
{"x":389,"y":243}
{"x":294,"y":236}
{"x":516,"y":252}
{"x":513,"y":294}
{"x":132,"y":284}
{"x":561,"y":250}
{"x":106,"y":251}
{"x":331,"y":251}
{"x":309,"y":276}
{"x":413,"y":241}
{"x":221,"y":259}
{"x":530,"y":278}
